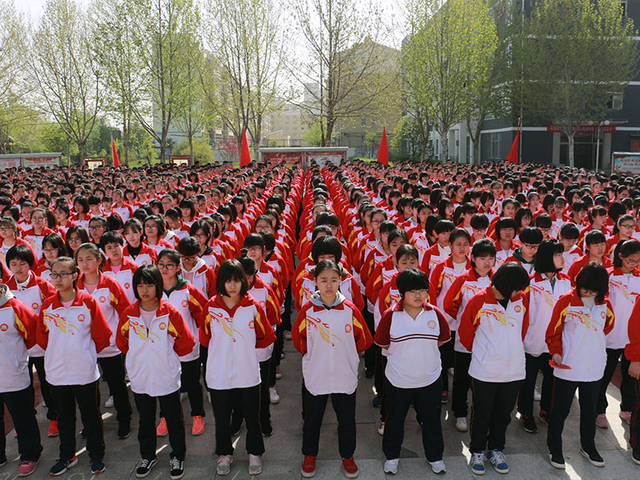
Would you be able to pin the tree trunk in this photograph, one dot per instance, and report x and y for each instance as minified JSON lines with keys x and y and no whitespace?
{"x":476,"y":150}
{"x":444,"y":139}
{"x":163,"y":150}
{"x":192,"y":160}
{"x":424,"y":137}
{"x":80,"y":153}
{"x":68,"y":151}
{"x":571,"y":149}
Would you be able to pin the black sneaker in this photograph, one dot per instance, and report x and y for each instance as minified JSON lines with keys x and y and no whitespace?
{"x":369,"y":373}
{"x":145,"y":467}
{"x":236,"y":426}
{"x":124,"y":430}
{"x":635,"y":457}
{"x":593,"y":456}
{"x":62,"y":466}
{"x":97,"y":466}
{"x":529,"y":423}
{"x":267,"y":430}
{"x":557,"y":460}
{"x":445,"y":397}
{"x":177,"y":468}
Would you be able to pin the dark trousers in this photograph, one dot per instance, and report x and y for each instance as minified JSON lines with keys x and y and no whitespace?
{"x":447,"y":359}
{"x":204,"y":354}
{"x":190,"y":383}
{"x":563,"y":393}
{"x":87,"y":397}
{"x":223,"y":402}
{"x":113,"y":374}
{"x":370,"y":353}
{"x":345,"y":407}
{"x":20,"y":408}
{"x":525,"y":399}
{"x":461,"y":384}
{"x":379,"y":382}
{"x":627,"y":386}
{"x":172,"y":408}
{"x":45,"y":388}
{"x":426,"y":401}
{"x":265,"y":412}
{"x":277,"y":353}
{"x":286,"y":316}
{"x":491,"y":413}
{"x":635,"y":420}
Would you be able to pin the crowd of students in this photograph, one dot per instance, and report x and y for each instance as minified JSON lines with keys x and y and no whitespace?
{"x":177,"y":285}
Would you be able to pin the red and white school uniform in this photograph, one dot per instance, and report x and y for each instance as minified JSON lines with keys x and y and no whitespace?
{"x":147,"y":255}
{"x":577,"y":266}
{"x":201,"y":277}
{"x":348,"y":287}
{"x":35,"y":241}
{"x":623,"y":295}
{"x":570,"y":257}
{"x":442,"y":277}
{"x":189,"y":302}
{"x":266,"y":298}
{"x":330,"y":340}
{"x":161,"y":245}
{"x":152,"y":353}
{"x":433,"y":256}
{"x":123,"y":274}
{"x":125,"y":211}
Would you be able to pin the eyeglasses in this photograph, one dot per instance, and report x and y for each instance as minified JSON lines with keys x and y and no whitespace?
{"x":628,"y":225}
{"x":55,"y":276}
{"x":530,"y":246}
{"x":254,"y":249}
{"x":151,"y":227}
{"x":96,"y":227}
{"x":49,"y":250}
{"x":190,"y":258}
{"x":37,"y":219}
{"x":74,"y":240}
{"x":200,"y":235}
{"x":419,"y":292}
{"x":167,"y":266}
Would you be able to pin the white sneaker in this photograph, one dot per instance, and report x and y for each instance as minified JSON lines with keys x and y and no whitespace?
{"x":391,"y":466}
{"x":438,"y":467}
{"x":381,"y":428}
{"x":183,"y":396}
{"x":537,"y":396}
{"x":255,"y":465}
{"x":109,"y":403}
{"x":273,"y":395}
{"x":287,"y":335}
{"x":224,"y":464}
{"x":461,"y":424}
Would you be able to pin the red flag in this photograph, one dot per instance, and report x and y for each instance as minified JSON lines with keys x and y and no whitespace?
{"x":245,"y":153}
{"x":513,"y":153}
{"x":383,"y":153}
{"x":114,"y":153}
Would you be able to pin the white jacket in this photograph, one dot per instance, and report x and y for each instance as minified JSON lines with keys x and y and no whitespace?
{"x":623,"y":295}
{"x":190,"y":302}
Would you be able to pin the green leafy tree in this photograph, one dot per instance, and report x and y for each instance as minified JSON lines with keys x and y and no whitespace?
{"x":406,"y":139}
{"x":371,"y":141}
{"x":199,"y":148}
{"x":574,"y":56}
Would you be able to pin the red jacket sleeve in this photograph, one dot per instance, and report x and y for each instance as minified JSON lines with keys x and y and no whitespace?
{"x":100,"y":331}
{"x":299,"y":329}
{"x":610,"y":320}
{"x":204,"y":335}
{"x":469,"y":321}
{"x":556,"y":325}
{"x":119,"y":298}
{"x":264,"y":331}
{"x":361,"y":332}
{"x":453,"y":297}
{"x":632,"y":350}
{"x":42,"y":330}
{"x":383,"y":337}
{"x":445,"y":331}
{"x":211,"y":283}
{"x":122,"y":335}
{"x":183,"y":338}
{"x":26,"y":321}
{"x":197,"y":302}
{"x":272,"y":309}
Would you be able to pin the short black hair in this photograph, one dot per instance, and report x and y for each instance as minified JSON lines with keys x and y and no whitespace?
{"x":189,"y":246}
{"x":509,"y":278}
{"x":248,"y":265}
{"x":171,"y":254}
{"x":531,"y":235}
{"x":483,"y":248}
{"x":326,"y":265}
{"x":505,"y":222}
{"x":407,"y":249}
{"x":543,"y":221}
{"x":444,"y":226}
{"x":479,"y":221}
{"x":326,"y":245}
{"x":111,"y":237}
{"x":231,"y":270}
{"x":21,"y":252}
{"x":569,"y":231}
{"x":624,"y":249}
{"x":594,"y":237}
{"x":594,"y":277}
{"x":459,"y":232}
{"x":412,"y":279}
{"x":148,"y":275}
{"x":134,"y":224}
{"x":254,"y":240}
{"x":543,"y":262}
{"x":398,"y":233}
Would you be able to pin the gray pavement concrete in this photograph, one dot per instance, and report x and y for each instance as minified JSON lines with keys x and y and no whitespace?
{"x":525,"y":452}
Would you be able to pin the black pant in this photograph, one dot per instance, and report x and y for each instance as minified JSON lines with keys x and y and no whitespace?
{"x":627,"y":386}
{"x":379,"y":381}
{"x":20,"y":408}
{"x":45,"y":388}
{"x":277,"y":353}
{"x":190,"y":383}
{"x":265,"y":411}
{"x":88,"y":399}
{"x":345,"y":407}
{"x":525,"y":399}
{"x":426,"y":401}
{"x":635,"y":420}
{"x":113,"y":374}
{"x":563,"y":393}
{"x":446,"y":356}
{"x":370,"y":353}
{"x":223,"y":402}
{"x":286,"y":316}
{"x":461,"y":384}
{"x":204,"y":354}
{"x":172,"y":408}
{"x":491,"y":413}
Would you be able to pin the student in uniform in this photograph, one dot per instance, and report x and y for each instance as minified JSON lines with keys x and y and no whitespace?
{"x":632,"y":352}
{"x":576,"y":337}
{"x":546,"y":285}
{"x":194,"y":269}
{"x":330,"y":332}
{"x":410,"y":332}
{"x":113,"y":301}
{"x":72,"y":330}
{"x":117,"y":266}
{"x":234,"y":326}
{"x":153,"y":335}
{"x":493,"y":326}
{"x":17,"y":335}
{"x":136,"y":249}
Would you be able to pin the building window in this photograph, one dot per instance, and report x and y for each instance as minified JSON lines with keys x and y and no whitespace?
{"x":363,"y":122}
{"x":495,"y":145}
{"x":615,"y":101}
{"x":623,"y":4}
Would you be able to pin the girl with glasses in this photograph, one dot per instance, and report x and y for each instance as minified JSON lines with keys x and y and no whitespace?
{"x":76,"y":236}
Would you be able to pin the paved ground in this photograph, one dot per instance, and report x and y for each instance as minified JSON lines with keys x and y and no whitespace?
{"x":526,"y":453}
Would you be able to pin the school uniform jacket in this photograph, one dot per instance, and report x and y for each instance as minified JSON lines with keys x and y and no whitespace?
{"x":541,"y":299}
{"x":348,"y":287}
{"x":72,"y":338}
{"x":413,"y":358}
{"x":124,"y":276}
{"x":203,"y":278}
{"x":387,"y":297}
{"x":494,"y":336}
{"x":578,"y":335}
{"x":577,"y":265}
{"x":113,"y":301}
{"x":189,"y":302}
{"x":232,"y":336}
{"x":632,"y":350}
{"x":17,"y":335}
{"x":147,"y":255}
{"x":442,"y":277}
{"x":330,"y":339}
{"x":623,"y":295}
{"x":266,"y":298}
{"x":153,"y":362}
{"x":161,"y":245}
{"x":432,"y":257}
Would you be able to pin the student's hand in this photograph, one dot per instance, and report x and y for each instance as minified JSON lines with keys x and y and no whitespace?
{"x":634,"y":370}
{"x":557,"y":358}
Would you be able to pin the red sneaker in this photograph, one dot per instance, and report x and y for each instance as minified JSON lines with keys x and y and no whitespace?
{"x":308,"y":466}
{"x":350,"y":468}
{"x":53,"y":429}
{"x":162,"y":430}
{"x":198,"y":426}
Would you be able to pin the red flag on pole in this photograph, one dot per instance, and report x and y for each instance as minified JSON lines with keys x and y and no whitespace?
{"x":513,"y":154}
{"x":383,"y":153}
{"x":114,"y":153}
{"x":245,"y":153}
